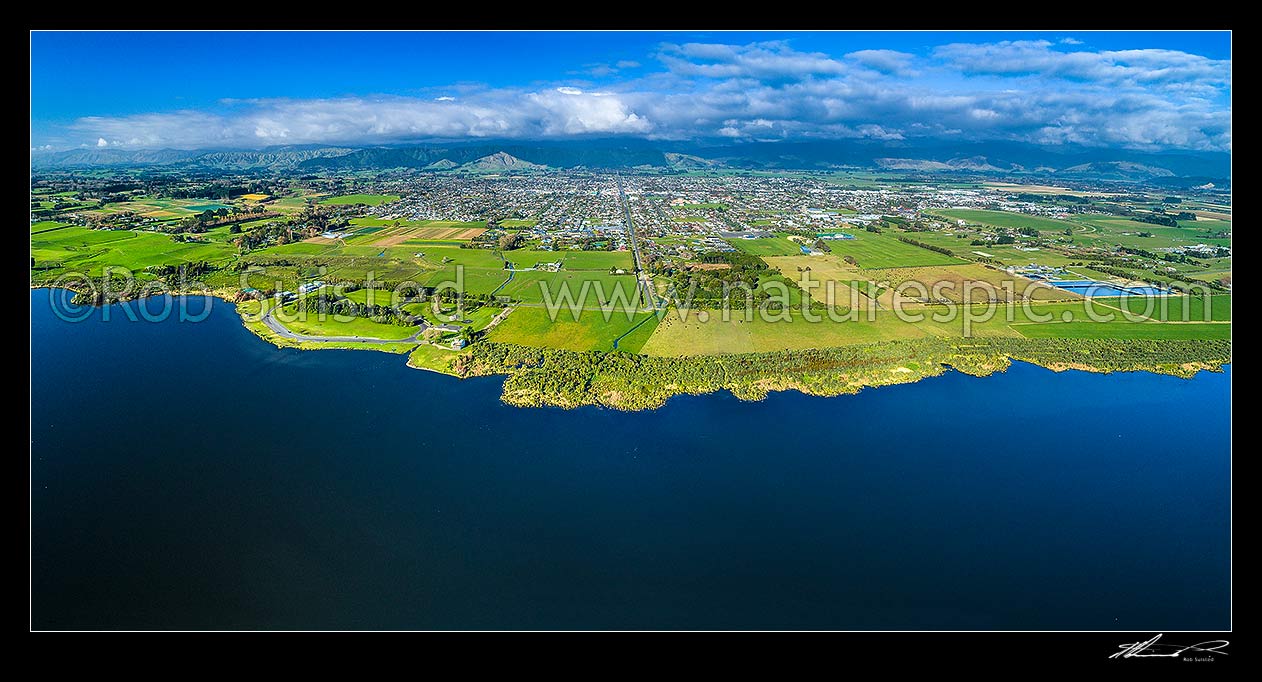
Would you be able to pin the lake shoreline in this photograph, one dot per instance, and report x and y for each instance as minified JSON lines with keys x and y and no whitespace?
{"x":546,"y":377}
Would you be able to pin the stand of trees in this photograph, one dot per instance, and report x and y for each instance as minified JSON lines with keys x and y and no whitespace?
{"x":543,"y":376}
{"x":923,"y":245}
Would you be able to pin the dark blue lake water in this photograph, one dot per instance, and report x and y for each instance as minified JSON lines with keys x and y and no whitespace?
{"x":189,"y":475}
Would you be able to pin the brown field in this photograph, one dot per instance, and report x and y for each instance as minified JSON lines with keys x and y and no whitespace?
{"x":832,"y":276}
{"x":708,"y":266}
{"x":393,"y":236}
{"x":458,"y":233}
{"x":320,"y":240}
{"x":1046,"y":189}
{"x":1212,"y":214}
{"x":953,"y":278}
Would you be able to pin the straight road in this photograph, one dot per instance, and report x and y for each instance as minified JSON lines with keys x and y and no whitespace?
{"x":646,"y":284}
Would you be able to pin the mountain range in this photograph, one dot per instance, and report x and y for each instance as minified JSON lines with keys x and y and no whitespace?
{"x":484,"y":156}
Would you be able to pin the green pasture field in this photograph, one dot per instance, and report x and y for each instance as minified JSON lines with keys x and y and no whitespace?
{"x":47,"y":226}
{"x":597,"y":260}
{"x":371,"y":296}
{"x":1126,"y":330}
{"x":304,"y":249}
{"x":366,"y":199}
{"x":470,"y":258}
{"x":249,"y":317}
{"x":373,"y":221}
{"x":1172,"y":308}
{"x":1207,"y":224}
{"x":634,"y":340}
{"x":601,"y":288}
{"x":476,"y":280}
{"x":590,"y":331}
{"x":301,"y":322}
{"x":767,"y":246}
{"x":877,"y":251}
{"x":82,"y":249}
{"x":1125,"y":232}
{"x":1009,"y":254}
{"x":203,"y":207}
{"x":1005,"y":219}
{"x":707,"y":333}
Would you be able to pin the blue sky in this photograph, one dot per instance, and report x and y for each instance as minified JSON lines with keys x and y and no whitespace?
{"x":1164,"y":90}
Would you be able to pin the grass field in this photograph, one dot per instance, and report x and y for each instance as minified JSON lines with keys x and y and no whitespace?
{"x":1005,"y":219}
{"x":371,"y":296}
{"x":838,"y":283}
{"x":591,"y":260}
{"x":590,"y":331}
{"x":47,"y":226}
{"x":694,"y":335}
{"x":983,"y":282}
{"x":1010,"y":255}
{"x":82,"y":249}
{"x":1125,"y":330}
{"x":708,"y":334}
{"x":587,"y":288}
{"x":877,"y":251}
{"x":365,"y":199}
{"x":767,"y":246}
{"x":1175,"y":308}
{"x":301,"y":322}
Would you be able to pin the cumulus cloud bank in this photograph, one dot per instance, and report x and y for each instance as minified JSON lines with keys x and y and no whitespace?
{"x":1033,"y":91}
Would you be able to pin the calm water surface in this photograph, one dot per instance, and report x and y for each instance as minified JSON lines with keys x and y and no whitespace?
{"x":189,"y":475}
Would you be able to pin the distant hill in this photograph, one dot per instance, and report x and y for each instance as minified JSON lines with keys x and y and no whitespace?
{"x":500,"y":161}
{"x":268,"y":158}
{"x":111,"y":157}
{"x":916,"y":156}
{"x":1116,"y":170}
{"x":688,"y":161}
{"x":550,"y":155}
{"x":975,"y":163}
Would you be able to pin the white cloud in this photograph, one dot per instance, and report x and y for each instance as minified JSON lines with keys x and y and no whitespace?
{"x":558,"y":112}
{"x":769,"y":61}
{"x":885,"y":61}
{"x":1015,"y":90}
{"x":1148,"y":68}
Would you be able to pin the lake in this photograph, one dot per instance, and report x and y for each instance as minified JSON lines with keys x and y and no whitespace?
{"x":189,"y":475}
